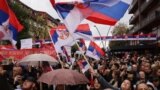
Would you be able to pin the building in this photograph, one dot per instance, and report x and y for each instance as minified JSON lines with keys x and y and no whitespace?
{"x":145,"y":19}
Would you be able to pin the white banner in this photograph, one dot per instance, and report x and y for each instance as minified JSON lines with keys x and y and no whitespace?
{"x":26,"y":43}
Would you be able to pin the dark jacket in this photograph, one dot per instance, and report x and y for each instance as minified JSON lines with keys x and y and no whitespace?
{"x":4,"y":85}
{"x":104,"y":83}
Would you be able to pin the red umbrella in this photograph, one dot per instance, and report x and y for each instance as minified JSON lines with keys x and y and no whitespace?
{"x":63,"y":77}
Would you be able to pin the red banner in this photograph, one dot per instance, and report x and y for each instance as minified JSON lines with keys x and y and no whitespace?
{"x":19,"y":54}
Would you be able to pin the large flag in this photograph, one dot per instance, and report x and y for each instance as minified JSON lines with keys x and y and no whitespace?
{"x":73,"y":12}
{"x":83,"y":32}
{"x":9,"y":24}
{"x":110,"y":15}
{"x":99,"y":11}
{"x":61,"y":37}
{"x":94,"y":51}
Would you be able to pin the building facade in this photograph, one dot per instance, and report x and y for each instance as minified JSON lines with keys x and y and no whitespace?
{"x":145,"y":19}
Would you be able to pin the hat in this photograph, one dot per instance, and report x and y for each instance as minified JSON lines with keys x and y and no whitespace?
{"x":31,"y":79}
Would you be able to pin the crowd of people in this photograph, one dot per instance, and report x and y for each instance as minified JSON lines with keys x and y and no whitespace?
{"x":129,"y":72}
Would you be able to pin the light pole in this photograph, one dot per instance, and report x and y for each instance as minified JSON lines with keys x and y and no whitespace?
{"x":99,"y":35}
{"x":107,"y":35}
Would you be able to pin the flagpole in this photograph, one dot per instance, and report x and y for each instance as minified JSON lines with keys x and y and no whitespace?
{"x":81,"y":52}
{"x":84,"y":56}
{"x":55,"y":50}
{"x":99,"y":35}
{"x":78,"y":47}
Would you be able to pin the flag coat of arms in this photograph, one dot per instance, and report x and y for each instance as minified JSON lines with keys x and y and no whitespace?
{"x":61,"y":37}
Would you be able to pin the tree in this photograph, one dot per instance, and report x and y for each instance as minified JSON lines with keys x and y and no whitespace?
{"x":120,"y":29}
{"x":35,"y":23}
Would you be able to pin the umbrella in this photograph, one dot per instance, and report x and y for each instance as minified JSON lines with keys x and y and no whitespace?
{"x":34,"y":59}
{"x":63,"y":77}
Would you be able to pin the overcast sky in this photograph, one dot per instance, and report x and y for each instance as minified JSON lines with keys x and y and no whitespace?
{"x":41,"y":6}
{"x":103,"y":29}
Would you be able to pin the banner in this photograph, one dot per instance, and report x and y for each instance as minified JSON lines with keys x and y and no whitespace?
{"x":7,"y":47}
{"x":26,"y":43}
{"x":19,"y":54}
{"x":128,"y":37}
{"x":144,"y":37}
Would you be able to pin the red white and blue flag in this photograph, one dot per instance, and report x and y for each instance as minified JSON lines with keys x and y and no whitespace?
{"x":73,"y":12}
{"x":61,"y":37}
{"x":94,"y":51}
{"x":68,"y":57}
{"x":9,"y":24}
{"x":99,"y":11}
{"x":82,"y":47}
{"x":84,"y":66}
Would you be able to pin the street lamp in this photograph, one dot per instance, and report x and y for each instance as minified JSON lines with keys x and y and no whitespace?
{"x":107,"y":35}
{"x":99,"y":35}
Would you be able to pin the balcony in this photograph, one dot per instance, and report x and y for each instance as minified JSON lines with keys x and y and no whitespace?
{"x":151,"y":20}
{"x":133,"y":7}
{"x":134,"y":18}
{"x":134,"y":29}
{"x":146,"y":5}
{"x":147,"y":23}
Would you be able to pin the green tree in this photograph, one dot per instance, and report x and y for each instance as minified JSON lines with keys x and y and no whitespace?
{"x":35,"y":23}
{"x":120,"y":29}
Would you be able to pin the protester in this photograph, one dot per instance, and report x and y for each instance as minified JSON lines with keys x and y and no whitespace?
{"x":142,"y":86}
{"x":126,"y":85}
{"x":29,"y":84}
{"x":116,"y":73}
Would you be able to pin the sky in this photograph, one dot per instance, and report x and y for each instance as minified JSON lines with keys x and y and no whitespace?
{"x":41,"y":6}
{"x":103,"y":29}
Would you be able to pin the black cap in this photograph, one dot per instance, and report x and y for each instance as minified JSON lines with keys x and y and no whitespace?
{"x":31,"y":79}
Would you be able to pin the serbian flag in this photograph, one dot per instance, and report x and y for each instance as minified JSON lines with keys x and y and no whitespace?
{"x":61,"y":37}
{"x":66,"y":54}
{"x":9,"y":24}
{"x":82,"y":47}
{"x":83,"y":32}
{"x":94,"y":51}
{"x":99,"y":11}
{"x":84,"y":66}
{"x":110,"y":15}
